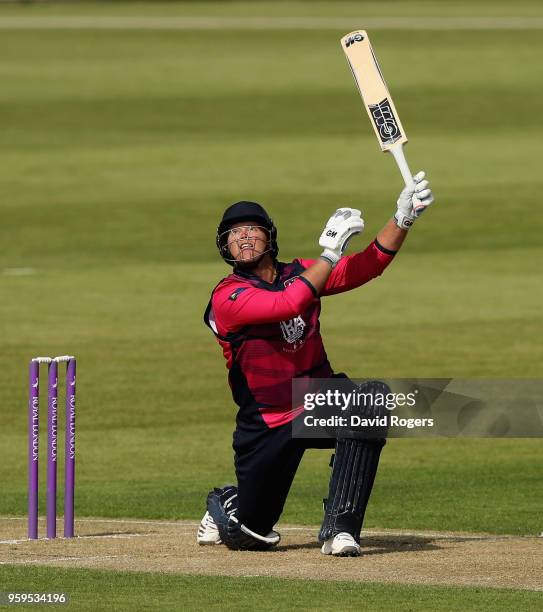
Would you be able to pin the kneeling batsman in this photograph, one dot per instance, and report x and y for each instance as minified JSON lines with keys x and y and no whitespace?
{"x":268,"y":309}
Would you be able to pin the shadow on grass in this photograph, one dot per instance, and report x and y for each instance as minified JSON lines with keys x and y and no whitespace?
{"x":379,"y":545}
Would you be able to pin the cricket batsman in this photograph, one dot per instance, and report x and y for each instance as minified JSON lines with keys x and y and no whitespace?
{"x":265,"y":316}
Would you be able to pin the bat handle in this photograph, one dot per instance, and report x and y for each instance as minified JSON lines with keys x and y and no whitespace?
{"x":399,"y":156}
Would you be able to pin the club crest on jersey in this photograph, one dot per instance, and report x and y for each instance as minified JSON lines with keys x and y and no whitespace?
{"x":385,"y":122}
{"x":354,"y":39}
{"x":293,"y":330}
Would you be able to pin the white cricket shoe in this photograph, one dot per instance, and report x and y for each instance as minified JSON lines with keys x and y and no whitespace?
{"x":208,"y":532}
{"x":341,"y":545}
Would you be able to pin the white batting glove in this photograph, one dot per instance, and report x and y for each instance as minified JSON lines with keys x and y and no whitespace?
{"x":413,"y":201}
{"x":341,"y":227}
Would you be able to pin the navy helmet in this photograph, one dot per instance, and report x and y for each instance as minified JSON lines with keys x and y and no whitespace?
{"x":245,"y":211}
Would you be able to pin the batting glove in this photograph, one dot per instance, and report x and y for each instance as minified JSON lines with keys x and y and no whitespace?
{"x":413,"y":201}
{"x":341,"y":227}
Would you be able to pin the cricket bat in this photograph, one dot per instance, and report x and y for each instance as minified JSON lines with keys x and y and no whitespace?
{"x":377,"y":98}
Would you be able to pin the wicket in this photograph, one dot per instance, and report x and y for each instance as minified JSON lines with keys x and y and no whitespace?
{"x":33,"y":446}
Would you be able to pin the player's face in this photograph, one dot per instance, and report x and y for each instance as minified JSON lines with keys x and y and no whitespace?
{"x":247,"y":242}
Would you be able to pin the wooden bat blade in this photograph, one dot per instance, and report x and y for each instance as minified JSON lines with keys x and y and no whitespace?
{"x":373,"y":89}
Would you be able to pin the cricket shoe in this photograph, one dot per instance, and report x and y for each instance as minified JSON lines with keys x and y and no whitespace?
{"x":208,"y":533}
{"x":341,"y":545}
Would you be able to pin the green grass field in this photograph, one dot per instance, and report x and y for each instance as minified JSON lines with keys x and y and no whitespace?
{"x":142,"y":591}
{"x":119,"y":149}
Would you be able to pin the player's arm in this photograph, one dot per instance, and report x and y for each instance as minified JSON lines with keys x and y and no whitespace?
{"x":317,"y":274}
{"x":358,"y":269}
{"x":237,"y":304}
{"x":413,"y":198}
{"x":391,"y":237}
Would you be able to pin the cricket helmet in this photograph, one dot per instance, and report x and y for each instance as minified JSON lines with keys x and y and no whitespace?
{"x":245,"y":211}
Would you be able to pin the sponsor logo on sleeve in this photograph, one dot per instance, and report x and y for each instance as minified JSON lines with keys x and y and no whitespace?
{"x":235,"y":293}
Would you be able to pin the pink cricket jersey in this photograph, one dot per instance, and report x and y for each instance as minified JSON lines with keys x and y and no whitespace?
{"x":270,"y":332}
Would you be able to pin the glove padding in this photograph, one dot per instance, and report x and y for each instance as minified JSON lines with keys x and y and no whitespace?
{"x":413,"y":201}
{"x":341,"y":227}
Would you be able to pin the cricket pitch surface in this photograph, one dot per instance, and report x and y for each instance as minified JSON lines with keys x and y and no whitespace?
{"x":408,"y":557}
